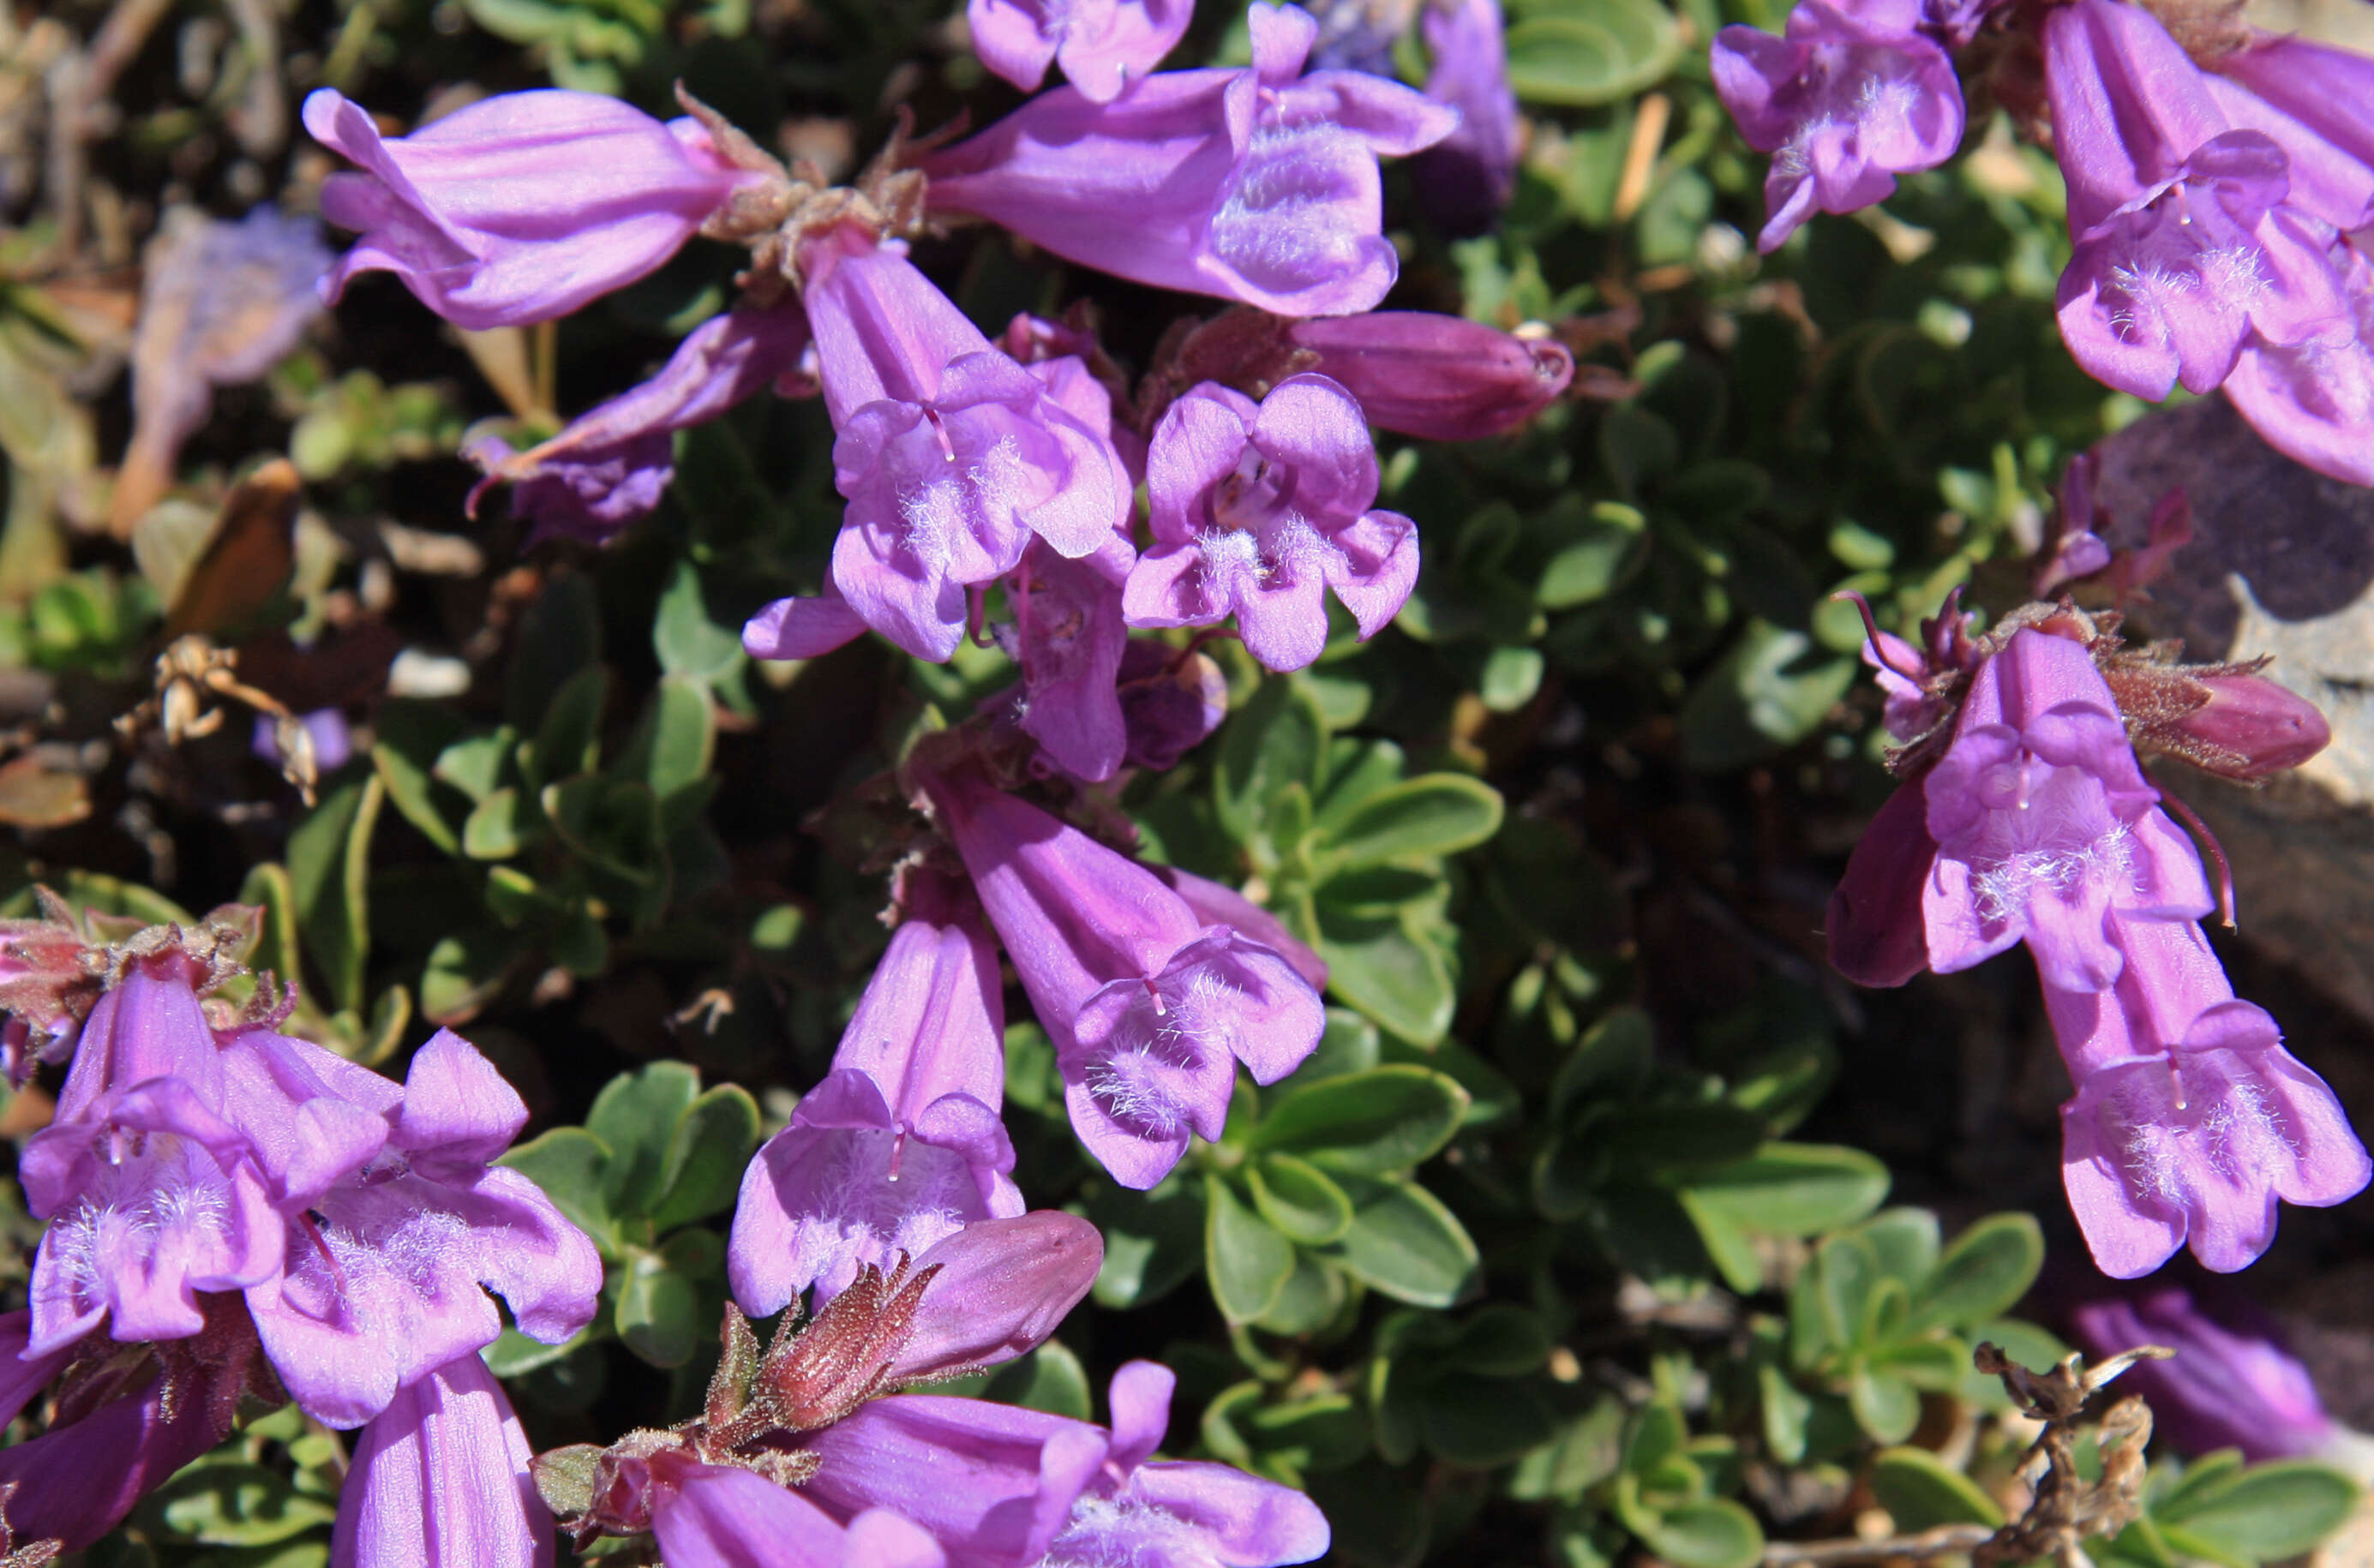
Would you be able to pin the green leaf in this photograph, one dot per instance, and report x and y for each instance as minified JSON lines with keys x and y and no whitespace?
{"x":409,"y":735}
{"x":1904,"y":1244}
{"x":1587,"y":52}
{"x":1381,"y":967}
{"x":2265,"y":1514}
{"x":1587,"y":1452}
{"x":1792,"y":1189}
{"x":238,"y":1504}
{"x":659,"y":1311}
{"x":673,"y":745}
{"x":1249,"y":1262}
{"x":1405,"y":1244}
{"x":1311,"y":1299}
{"x":1920,"y":1492}
{"x":1276,"y":740}
{"x":1728,"y":1244}
{"x":635,"y":1115}
{"x":1714,"y":1532}
{"x":1885,"y":1405}
{"x":613,"y":824}
{"x":329,"y":865}
{"x":1153,"y":1240}
{"x":475,"y":764}
{"x":1501,"y":1339}
{"x":1786,"y":1411}
{"x":1049,"y":1378}
{"x":1435,"y":814}
{"x":712,"y":1141}
{"x":1596,"y":556}
{"x":1373,"y":1123}
{"x":1771,"y":690}
{"x":1482,"y":1424}
{"x":1982,"y":1274}
{"x":1349,"y":1045}
{"x":464,"y":973}
{"x":688,"y":643}
{"x":494,"y":830}
{"x":569,"y":1163}
{"x":1613,"y":1058}
{"x":569,"y":741}
{"x":1299,"y":1202}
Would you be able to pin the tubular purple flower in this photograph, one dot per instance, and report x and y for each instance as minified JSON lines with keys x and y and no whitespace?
{"x":1169,"y":702}
{"x":520,"y":209}
{"x":1102,"y":45}
{"x":900,"y":1145}
{"x":994,"y":1484}
{"x":1845,"y":102}
{"x":2314,"y":401}
{"x":2265,"y":728}
{"x":1177,"y":1512}
{"x":124,"y":1431}
{"x":146,"y":1180}
{"x":1258,"y":184}
{"x":1257,"y":511}
{"x":1067,"y":635}
{"x":440,"y":1480}
{"x":2328,"y":91}
{"x":1216,"y":904}
{"x":1150,"y":1008}
{"x":951,"y":456}
{"x":1002,"y":1286}
{"x":1438,"y":378}
{"x":2044,"y":824}
{"x":2191,"y":1121}
{"x":387,"y":1256}
{"x":611,"y":464}
{"x":1874,"y":923}
{"x":2232,"y":1382}
{"x":1466,"y":178}
{"x":714,"y":1516}
{"x":2186,"y":250}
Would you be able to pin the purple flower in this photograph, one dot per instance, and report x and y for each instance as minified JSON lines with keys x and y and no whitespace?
{"x":2321,"y":91}
{"x":121,"y":1432}
{"x":2044,"y":824}
{"x":1438,"y":378}
{"x":900,"y":1145}
{"x":717,"y":1516}
{"x":1149,"y":1009}
{"x":387,"y":1254}
{"x":1846,"y":101}
{"x":996,"y":1289}
{"x":1221,"y":905}
{"x":999,"y":1485}
{"x":2190,"y":1120}
{"x":440,"y":1480}
{"x":2231,"y":1384}
{"x":150,"y":1190}
{"x":611,"y":464}
{"x":1258,"y":184}
{"x":2314,"y":401}
{"x":1067,"y":634}
{"x":1178,"y":1512}
{"x":220,"y":302}
{"x":1258,"y":512}
{"x":1466,"y":178}
{"x":2186,"y":251}
{"x":1102,"y":45}
{"x":520,"y":209}
{"x":952,"y":457}
{"x":1169,"y":701}
{"x":1876,"y":937}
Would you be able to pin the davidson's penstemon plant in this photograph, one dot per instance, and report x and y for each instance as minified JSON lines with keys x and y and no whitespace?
{"x":1053,"y":891}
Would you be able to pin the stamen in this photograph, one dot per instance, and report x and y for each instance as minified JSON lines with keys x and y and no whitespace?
{"x":2216,"y":853}
{"x":1870,"y":629}
{"x":897,"y":1150}
{"x":1156,"y":992}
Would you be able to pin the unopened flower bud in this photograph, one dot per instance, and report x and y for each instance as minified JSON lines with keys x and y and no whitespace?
{"x":2252,"y":728}
{"x":1438,"y":378}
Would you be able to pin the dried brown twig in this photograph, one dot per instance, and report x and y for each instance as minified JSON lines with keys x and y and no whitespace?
{"x":2064,"y":1509}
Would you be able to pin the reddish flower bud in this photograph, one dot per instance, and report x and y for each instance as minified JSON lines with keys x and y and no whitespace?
{"x":1438,"y":378}
{"x":2250,"y":728}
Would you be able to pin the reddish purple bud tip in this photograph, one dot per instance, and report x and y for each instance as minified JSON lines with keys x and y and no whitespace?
{"x":2252,"y":719}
